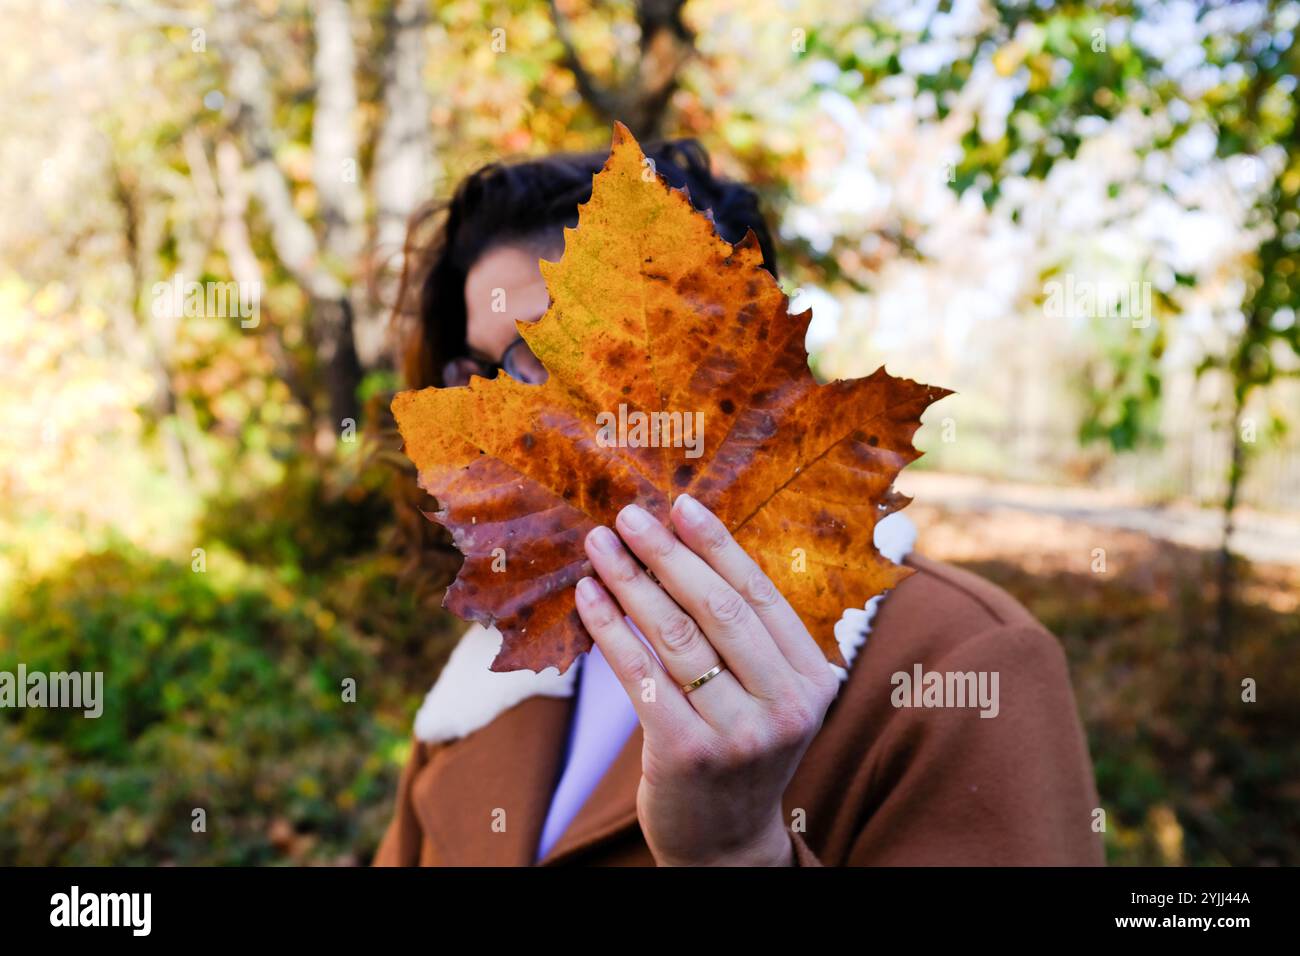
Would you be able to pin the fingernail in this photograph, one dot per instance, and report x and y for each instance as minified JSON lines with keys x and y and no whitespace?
{"x":635,"y":518}
{"x":692,"y":511}
{"x":588,"y":593}
{"x":604,"y":540}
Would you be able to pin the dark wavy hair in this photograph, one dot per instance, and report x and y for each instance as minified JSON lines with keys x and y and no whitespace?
{"x":529,"y":202}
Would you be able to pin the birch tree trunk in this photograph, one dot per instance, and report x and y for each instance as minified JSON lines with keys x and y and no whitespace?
{"x":404,"y":166}
{"x":292,"y":238}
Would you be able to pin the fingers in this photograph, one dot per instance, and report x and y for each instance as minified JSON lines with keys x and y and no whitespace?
{"x":659,"y":703}
{"x":701,"y":531}
{"x":684,"y":651}
{"x":731,"y":625}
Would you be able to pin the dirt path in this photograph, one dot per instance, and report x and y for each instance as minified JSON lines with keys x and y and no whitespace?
{"x":1259,"y":536}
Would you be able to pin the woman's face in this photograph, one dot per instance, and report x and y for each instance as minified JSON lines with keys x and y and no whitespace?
{"x":504,"y":285}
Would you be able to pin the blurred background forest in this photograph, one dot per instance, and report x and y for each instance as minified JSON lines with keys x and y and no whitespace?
{"x":1081,"y":216}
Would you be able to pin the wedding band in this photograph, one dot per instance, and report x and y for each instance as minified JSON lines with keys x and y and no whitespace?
{"x":703,"y":679}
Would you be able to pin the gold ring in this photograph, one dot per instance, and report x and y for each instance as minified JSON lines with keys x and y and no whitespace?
{"x":703,"y":679}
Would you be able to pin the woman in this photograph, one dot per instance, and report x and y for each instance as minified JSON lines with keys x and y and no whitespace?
{"x":951,"y":738}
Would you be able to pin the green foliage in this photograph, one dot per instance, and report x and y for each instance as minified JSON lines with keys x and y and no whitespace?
{"x":1121,"y":386}
{"x":222,"y":691}
{"x":301,"y":524}
{"x":1082,"y":63}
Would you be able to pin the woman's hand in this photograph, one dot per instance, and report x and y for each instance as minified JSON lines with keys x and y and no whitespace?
{"x":716,"y":760}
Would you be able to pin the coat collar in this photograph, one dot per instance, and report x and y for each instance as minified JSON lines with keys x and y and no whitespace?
{"x":482,"y":800}
{"x":505,"y":736}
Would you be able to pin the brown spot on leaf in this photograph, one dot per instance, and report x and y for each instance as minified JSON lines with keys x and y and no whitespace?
{"x":598,"y":491}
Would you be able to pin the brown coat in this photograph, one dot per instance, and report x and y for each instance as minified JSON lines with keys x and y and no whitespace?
{"x":879,"y":785}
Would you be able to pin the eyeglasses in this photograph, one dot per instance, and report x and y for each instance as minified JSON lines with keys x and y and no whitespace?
{"x":518,"y":361}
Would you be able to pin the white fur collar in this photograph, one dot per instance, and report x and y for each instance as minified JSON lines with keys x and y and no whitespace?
{"x":467,"y":695}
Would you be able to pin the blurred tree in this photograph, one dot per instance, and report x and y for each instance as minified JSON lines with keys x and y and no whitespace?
{"x":641,"y":98}
{"x":1260,"y":122}
{"x":1075,"y":65}
{"x":322,"y":267}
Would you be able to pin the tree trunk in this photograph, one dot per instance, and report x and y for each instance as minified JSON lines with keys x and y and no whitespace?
{"x":1225,"y":566}
{"x":232,"y":231}
{"x":642,"y":101}
{"x":292,"y":238}
{"x":404,"y":165}
{"x":332,"y":324}
{"x":152,"y":340}
{"x":336,"y":174}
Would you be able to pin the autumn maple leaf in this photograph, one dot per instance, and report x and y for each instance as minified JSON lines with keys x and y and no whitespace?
{"x":674,"y":366}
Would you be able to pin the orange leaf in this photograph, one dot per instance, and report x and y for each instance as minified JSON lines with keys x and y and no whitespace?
{"x":652,"y":313}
